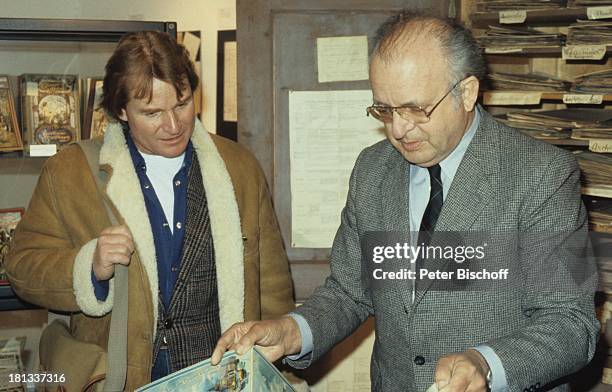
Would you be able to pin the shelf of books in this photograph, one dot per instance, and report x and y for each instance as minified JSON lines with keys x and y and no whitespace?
{"x":507,"y":15}
{"x":50,"y":88}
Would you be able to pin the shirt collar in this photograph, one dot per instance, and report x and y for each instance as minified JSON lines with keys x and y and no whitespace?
{"x":139,"y":161}
{"x":450,"y":164}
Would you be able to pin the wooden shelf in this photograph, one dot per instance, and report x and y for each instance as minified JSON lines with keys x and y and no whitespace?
{"x":599,"y":192}
{"x":543,"y":17}
{"x":600,"y":228}
{"x":544,"y":51}
{"x":567,"y":142}
{"x":547,"y":96}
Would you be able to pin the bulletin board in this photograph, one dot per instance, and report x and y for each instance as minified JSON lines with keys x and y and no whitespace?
{"x":282,"y":42}
{"x":296,"y":59}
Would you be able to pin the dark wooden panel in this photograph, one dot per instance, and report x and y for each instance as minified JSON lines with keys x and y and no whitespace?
{"x":295,"y":65}
{"x":256,"y":69}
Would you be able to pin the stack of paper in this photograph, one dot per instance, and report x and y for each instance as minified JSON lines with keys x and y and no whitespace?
{"x":504,"y":37}
{"x":590,"y":32}
{"x":561,"y":124}
{"x":600,"y":213}
{"x":11,"y":366}
{"x":534,"y":82}
{"x":575,"y":3}
{"x":594,"y":82}
{"x":592,"y":133}
{"x":499,"y":5}
{"x":596,"y":173}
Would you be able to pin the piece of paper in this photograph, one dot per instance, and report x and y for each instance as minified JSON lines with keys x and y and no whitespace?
{"x":594,"y":99}
{"x":432,"y":388}
{"x":43,"y":150}
{"x":192,"y":44}
{"x":226,"y":18}
{"x":327,"y":130}
{"x":230,"y":87}
{"x":502,"y":50}
{"x":511,"y":98}
{"x":599,"y":12}
{"x":601,"y":145}
{"x":512,"y":16}
{"x":342,"y":58}
{"x":583,"y":52}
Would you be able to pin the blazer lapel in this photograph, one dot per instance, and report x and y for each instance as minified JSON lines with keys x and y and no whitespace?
{"x":394,"y":207}
{"x":197,"y":227}
{"x":395,"y":196}
{"x":469,"y":193}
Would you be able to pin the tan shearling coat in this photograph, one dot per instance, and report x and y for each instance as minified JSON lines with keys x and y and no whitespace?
{"x":50,"y":261}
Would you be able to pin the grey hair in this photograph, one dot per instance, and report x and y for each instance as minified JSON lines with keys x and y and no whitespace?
{"x":462,"y":53}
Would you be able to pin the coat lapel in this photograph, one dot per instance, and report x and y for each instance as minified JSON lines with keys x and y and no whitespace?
{"x":394,"y":199}
{"x":226,"y":228}
{"x":470,"y":192}
{"x":197,"y":228}
{"x":123,"y":190}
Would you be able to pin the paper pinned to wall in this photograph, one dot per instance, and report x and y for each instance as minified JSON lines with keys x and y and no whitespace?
{"x":327,"y":130}
{"x":342,"y":58}
{"x":192,"y":44}
{"x":230,"y":86}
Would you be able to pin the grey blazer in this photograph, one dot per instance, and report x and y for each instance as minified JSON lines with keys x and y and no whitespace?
{"x":506,"y":181}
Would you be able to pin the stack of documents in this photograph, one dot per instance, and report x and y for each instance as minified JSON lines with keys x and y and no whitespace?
{"x":590,"y":32}
{"x":594,"y":82}
{"x":534,"y":82}
{"x":11,"y":365}
{"x":596,"y":173}
{"x":562,"y":124}
{"x":600,"y":214}
{"x":504,"y":37}
{"x":500,"y":5}
{"x":576,"y":3}
{"x":601,"y":133}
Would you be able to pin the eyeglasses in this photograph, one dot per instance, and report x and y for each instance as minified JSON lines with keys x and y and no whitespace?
{"x":416,"y":114}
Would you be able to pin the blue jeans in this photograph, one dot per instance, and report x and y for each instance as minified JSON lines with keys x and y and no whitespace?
{"x":161,"y":368}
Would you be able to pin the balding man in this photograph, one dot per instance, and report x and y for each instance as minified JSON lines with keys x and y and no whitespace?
{"x":448,"y":166}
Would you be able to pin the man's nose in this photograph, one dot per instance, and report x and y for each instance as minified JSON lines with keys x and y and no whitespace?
{"x":400,"y":126}
{"x":169,"y":122}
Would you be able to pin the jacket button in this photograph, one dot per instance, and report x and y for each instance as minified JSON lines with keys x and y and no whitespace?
{"x":419,"y":360}
{"x":168,"y":323}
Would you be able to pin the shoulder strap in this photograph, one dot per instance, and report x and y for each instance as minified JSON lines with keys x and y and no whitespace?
{"x":116,"y":368}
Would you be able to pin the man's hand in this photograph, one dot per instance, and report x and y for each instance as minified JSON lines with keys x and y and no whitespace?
{"x":277,"y":338}
{"x":462,"y":372}
{"x":115,"y":246}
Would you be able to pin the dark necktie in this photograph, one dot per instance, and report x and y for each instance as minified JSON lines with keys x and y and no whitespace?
{"x":432,"y":212}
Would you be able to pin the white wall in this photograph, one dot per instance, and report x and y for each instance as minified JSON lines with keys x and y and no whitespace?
{"x":207,"y":16}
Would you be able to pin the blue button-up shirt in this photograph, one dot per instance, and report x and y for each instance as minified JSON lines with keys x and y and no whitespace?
{"x":168,"y":243}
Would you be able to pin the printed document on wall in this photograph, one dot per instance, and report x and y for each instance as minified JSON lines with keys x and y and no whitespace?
{"x":342,"y":58}
{"x":327,"y":131}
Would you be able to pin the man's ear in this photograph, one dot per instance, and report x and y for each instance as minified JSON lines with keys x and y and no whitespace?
{"x":469,"y":92}
{"x":123,"y":115}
